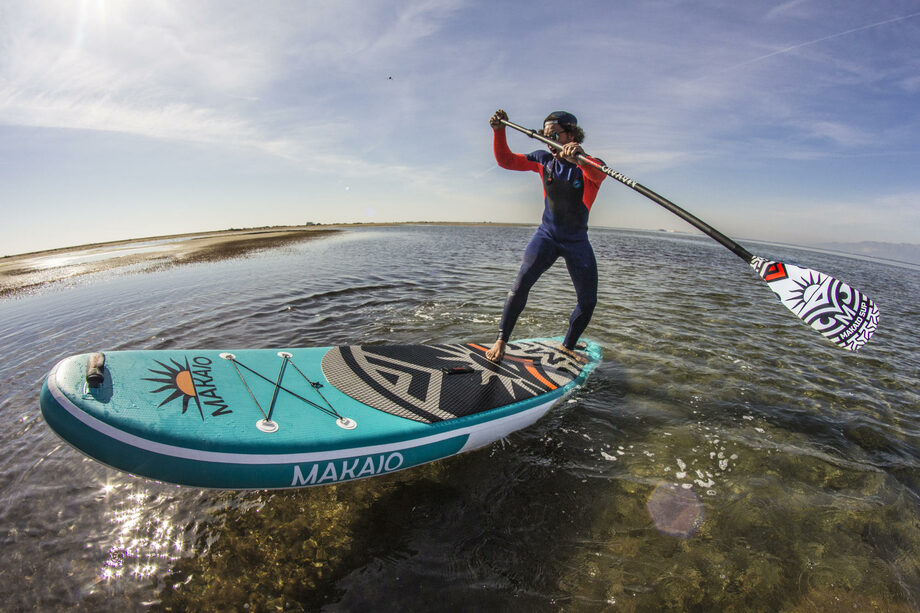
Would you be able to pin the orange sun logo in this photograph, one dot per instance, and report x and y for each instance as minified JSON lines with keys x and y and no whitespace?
{"x":178,"y":380}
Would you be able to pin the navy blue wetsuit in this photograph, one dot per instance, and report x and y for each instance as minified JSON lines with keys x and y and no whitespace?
{"x":569,"y":191}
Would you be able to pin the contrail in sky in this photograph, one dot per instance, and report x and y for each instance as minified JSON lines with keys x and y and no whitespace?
{"x":819,"y":40}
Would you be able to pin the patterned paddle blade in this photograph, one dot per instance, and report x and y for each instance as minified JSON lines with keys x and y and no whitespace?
{"x":833,"y":308}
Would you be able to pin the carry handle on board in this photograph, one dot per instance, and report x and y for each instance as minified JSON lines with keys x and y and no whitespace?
{"x":95,"y":369}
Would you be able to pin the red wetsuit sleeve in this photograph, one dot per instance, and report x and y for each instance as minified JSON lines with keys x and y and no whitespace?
{"x":593,"y":179}
{"x":591,"y":173}
{"x":507,"y":159}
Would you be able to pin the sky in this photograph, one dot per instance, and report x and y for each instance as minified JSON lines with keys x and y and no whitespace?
{"x":791,"y":121}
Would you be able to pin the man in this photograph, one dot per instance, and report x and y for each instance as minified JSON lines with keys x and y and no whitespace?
{"x":569,"y":189}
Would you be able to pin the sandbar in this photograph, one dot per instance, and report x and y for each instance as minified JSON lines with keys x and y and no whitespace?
{"x":27,"y":272}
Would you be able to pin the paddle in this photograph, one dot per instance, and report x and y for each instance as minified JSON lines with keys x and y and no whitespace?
{"x":842,"y":314}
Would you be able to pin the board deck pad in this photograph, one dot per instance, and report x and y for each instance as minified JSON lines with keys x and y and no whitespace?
{"x":431,"y":383}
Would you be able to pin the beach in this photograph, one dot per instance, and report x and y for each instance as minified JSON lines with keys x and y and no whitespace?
{"x":30,"y":271}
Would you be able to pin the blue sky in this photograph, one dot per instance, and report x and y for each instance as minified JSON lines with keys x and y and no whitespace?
{"x":793,"y":121}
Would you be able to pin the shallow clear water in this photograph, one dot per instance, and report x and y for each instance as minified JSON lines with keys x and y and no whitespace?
{"x":723,"y":457}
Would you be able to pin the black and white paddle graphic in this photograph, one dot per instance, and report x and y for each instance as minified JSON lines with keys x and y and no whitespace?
{"x":845,"y":316}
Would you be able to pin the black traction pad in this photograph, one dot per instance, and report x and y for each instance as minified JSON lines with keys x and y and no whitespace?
{"x":430,"y":383}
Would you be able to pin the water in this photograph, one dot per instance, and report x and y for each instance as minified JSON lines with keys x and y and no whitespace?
{"x":723,"y":457}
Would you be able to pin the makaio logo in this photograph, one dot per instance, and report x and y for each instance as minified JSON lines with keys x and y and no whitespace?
{"x":188,"y":382}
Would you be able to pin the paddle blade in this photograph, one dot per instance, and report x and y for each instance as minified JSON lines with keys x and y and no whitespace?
{"x":833,"y":308}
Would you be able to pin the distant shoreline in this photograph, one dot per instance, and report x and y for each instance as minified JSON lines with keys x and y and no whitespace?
{"x":29,"y":271}
{"x":26,"y":272}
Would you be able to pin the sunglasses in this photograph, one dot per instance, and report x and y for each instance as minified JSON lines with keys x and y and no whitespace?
{"x":555,"y":135}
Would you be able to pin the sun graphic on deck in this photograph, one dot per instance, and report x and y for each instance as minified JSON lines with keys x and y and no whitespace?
{"x":176,"y":379}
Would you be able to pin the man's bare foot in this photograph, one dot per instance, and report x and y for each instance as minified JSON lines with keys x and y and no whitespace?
{"x":497,"y":352}
{"x":580,"y":357}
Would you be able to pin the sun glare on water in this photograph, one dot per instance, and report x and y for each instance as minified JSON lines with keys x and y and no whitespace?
{"x":144,"y":539}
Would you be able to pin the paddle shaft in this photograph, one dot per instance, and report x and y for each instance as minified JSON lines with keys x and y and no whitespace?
{"x":699,"y":224}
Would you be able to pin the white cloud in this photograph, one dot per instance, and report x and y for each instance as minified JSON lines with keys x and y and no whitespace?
{"x":196,"y":72}
{"x":840,"y":134}
{"x":138,"y":68}
{"x":792,"y":8}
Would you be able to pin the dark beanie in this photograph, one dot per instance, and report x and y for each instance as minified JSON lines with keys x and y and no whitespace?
{"x":562,"y":118}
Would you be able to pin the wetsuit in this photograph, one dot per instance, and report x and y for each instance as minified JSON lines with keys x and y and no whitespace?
{"x":569,"y":191}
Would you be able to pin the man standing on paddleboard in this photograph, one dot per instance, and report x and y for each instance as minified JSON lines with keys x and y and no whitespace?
{"x":569,"y":189}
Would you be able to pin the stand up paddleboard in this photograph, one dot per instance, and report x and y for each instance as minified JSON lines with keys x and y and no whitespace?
{"x":265,"y":418}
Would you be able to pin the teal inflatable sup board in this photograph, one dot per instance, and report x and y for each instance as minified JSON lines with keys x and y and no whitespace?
{"x":268,"y":418}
